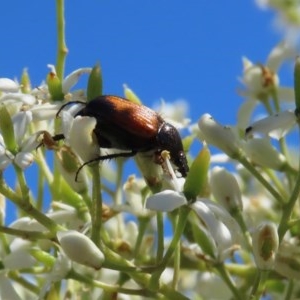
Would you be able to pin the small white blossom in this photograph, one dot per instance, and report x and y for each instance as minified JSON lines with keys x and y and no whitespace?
{"x":261,"y":81}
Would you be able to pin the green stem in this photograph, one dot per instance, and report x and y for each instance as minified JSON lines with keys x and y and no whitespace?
{"x":23,"y":282}
{"x":182,"y":219}
{"x":108,"y":287}
{"x":259,"y":284}
{"x":62,"y":49}
{"x":27,"y":234}
{"x":160,"y":237}
{"x":117,"y":198}
{"x":176,"y":267}
{"x":23,"y":201}
{"x":40,"y":193}
{"x":96,"y":205}
{"x":116,"y":262}
{"x":289,"y":292}
{"x":288,"y":208}
{"x":143,"y":223}
{"x":255,"y":285}
{"x":227,"y":279}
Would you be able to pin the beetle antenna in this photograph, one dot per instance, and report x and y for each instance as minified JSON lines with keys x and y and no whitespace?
{"x":68,"y":103}
{"x":104,"y":157}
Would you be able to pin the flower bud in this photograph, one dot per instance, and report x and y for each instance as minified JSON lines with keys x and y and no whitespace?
{"x":25,"y":82}
{"x":196,"y":181}
{"x":225,"y":189}
{"x":7,"y":129}
{"x":130,"y":95}
{"x":94,"y":88}
{"x":265,"y":245}
{"x":220,"y":136}
{"x":54,"y":85}
{"x":80,"y":249}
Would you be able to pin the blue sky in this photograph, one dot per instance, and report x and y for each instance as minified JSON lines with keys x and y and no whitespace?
{"x":161,"y":49}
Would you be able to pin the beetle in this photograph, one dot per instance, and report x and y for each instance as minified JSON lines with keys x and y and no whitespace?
{"x":124,"y":125}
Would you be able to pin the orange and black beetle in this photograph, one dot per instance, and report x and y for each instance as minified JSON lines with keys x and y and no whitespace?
{"x":124,"y":125}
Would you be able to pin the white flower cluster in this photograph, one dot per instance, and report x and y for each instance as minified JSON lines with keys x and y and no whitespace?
{"x":227,"y":225}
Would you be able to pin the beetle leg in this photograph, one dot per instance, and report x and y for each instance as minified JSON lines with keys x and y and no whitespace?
{"x":104,"y":157}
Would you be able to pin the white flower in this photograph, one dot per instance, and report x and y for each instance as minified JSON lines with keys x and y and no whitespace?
{"x":80,"y":248}
{"x":261,"y":81}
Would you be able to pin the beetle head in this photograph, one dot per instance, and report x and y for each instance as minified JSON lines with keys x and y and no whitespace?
{"x":169,"y":139}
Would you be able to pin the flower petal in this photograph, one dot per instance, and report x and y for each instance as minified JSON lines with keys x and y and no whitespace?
{"x":220,"y":233}
{"x":20,"y":121}
{"x":81,"y":138}
{"x":73,"y":78}
{"x":19,"y":97}
{"x":8,"y":86}
{"x":24,"y":159}
{"x":166,"y":201}
{"x":275,"y":126}
{"x":279,"y":54}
